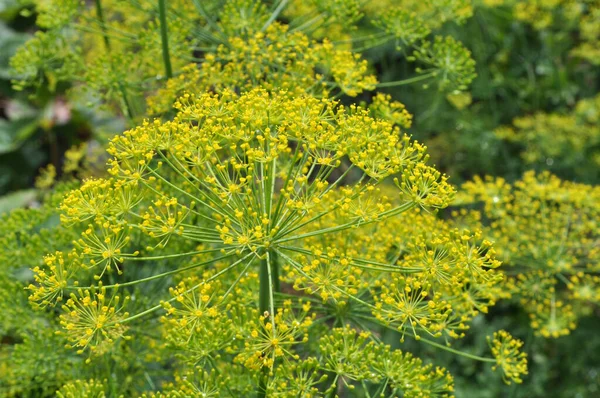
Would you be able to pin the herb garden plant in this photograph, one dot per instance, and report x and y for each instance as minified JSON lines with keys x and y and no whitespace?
{"x":250,"y":210}
{"x":267,"y":226}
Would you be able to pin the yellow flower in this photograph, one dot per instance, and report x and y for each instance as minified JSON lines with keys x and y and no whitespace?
{"x":509,"y":357}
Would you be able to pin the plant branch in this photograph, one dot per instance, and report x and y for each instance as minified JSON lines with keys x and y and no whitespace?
{"x":164,"y":37}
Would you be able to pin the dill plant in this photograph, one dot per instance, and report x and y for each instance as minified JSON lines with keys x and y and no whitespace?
{"x":259,"y":222}
{"x":257,"y":243}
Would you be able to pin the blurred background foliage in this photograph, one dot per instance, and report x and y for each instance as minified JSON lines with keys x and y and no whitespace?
{"x":522,"y":71}
{"x":37,"y":126}
{"x":533,"y":105}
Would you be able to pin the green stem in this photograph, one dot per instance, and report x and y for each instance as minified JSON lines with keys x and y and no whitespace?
{"x":159,"y":306}
{"x":100,"y":15}
{"x":353,"y":224}
{"x":563,"y":278}
{"x":268,"y":283}
{"x":461,"y":353}
{"x":263,"y":293}
{"x":405,"y":81}
{"x":166,"y":256}
{"x":333,"y":392}
{"x":263,"y":306}
{"x":275,"y":14}
{"x":158,"y":276}
{"x":262,"y":384}
{"x":125,"y":104}
{"x":164,"y":36}
{"x":358,"y":262}
{"x":209,"y":20}
{"x":275,"y":270}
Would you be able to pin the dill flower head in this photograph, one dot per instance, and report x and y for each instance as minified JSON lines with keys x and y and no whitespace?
{"x":236,"y":44}
{"x":91,"y":320}
{"x":355,"y":356}
{"x":382,"y":107}
{"x":545,"y":229}
{"x":83,"y":388}
{"x":251,"y":177}
{"x":448,"y":61}
{"x":273,"y":337}
{"x":552,"y":318}
{"x":409,"y":375}
{"x":265,"y":160}
{"x":509,"y":358}
{"x":51,"y":280}
{"x":585,"y":287}
{"x":275,"y":59}
{"x":197,"y":324}
{"x":406,"y":27}
{"x":251,"y":224}
{"x":80,"y":42}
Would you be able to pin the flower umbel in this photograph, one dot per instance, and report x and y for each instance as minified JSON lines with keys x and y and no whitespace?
{"x":92,"y":321}
{"x":509,"y":357}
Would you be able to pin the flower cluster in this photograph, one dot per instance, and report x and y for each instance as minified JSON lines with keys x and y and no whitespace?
{"x":80,"y":44}
{"x":274,"y":59}
{"x":558,"y":140}
{"x":547,"y":231}
{"x":83,"y":389}
{"x":287,"y":192}
{"x":90,"y":320}
{"x":509,"y":358}
{"x":443,"y":58}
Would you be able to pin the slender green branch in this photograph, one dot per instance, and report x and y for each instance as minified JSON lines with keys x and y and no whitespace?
{"x":372,"y":45}
{"x":275,"y":14}
{"x":271,"y":293}
{"x":100,"y":15}
{"x":159,"y":306}
{"x":563,"y":278}
{"x":457,"y":352}
{"x":263,"y":306}
{"x":234,"y":284}
{"x":353,"y":224}
{"x":441,"y":346}
{"x":358,"y":262}
{"x":263,"y":293}
{"x":308,"y":23}
{"x":158,"y":276}
{"x":365,"y":389}
{"x":405,"y":81}
{"x":125,"y":101}
{"x":209,"y":20}
{"x":333,"y":392}
{"x":164,"y":37}
{"x":174,"y":255}
{"x":275,"y":269}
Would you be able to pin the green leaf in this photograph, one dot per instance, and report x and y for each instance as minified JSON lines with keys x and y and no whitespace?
{"x":16,"y":199}
{"x":9,"y":9}
{"x":14,"y":133}
{"x":9,"y":42}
